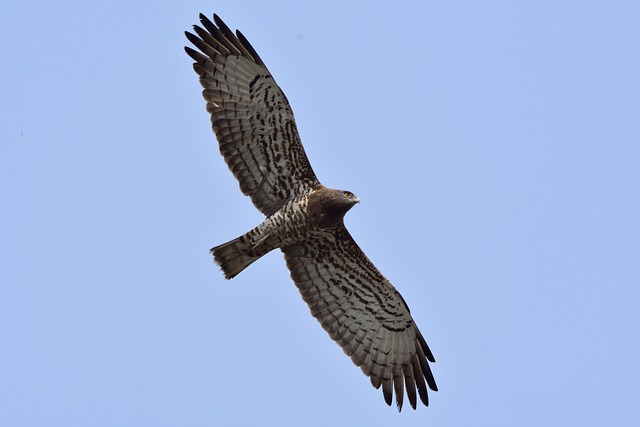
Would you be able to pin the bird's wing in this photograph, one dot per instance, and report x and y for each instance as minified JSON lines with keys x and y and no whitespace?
{"x":250,"y":116}
{"x":363,"y":313}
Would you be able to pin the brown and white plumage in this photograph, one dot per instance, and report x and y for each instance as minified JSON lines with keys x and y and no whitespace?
{"x":251,"y":117}
{"x":258,"y":138}
{"x":363,"y":312}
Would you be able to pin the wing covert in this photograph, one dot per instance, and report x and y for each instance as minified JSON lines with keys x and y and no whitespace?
{"x":251,"y":117}
{"x":363,"y":313}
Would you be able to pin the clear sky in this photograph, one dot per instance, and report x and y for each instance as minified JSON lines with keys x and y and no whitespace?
{"x":495,"y":147}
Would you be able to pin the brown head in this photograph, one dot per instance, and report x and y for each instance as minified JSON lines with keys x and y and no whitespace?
{"x":327,"y":207}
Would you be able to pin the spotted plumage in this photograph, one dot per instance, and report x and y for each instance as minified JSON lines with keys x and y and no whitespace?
{"x":258,"y":138}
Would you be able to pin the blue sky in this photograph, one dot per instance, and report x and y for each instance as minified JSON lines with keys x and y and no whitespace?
{"x":495,"y":147}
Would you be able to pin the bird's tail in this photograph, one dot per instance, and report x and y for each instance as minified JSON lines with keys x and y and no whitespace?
{"x":234,"y":256}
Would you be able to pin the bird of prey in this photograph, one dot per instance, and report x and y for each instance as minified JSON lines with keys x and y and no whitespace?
{"x":258,"y":138}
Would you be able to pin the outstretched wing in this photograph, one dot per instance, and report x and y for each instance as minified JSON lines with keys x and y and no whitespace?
{"x":250,"y":116}
{"x":364,"y":313}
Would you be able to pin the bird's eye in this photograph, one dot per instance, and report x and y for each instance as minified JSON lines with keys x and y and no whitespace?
{"x":346,"y":194}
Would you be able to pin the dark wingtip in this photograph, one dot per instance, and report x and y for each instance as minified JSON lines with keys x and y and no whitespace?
{"x":388,"y":398}
{"x":218,"y":20}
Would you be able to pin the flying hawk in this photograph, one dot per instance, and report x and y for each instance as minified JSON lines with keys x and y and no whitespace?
{"x":352,"y":300}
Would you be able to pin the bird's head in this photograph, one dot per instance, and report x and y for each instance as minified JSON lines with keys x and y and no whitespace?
{"x":328,"y":207}
{"x":341,"y":200}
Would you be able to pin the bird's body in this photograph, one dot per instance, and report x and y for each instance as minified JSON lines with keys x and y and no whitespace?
{"x":308,"y":216}
{"x":359,"y":307}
